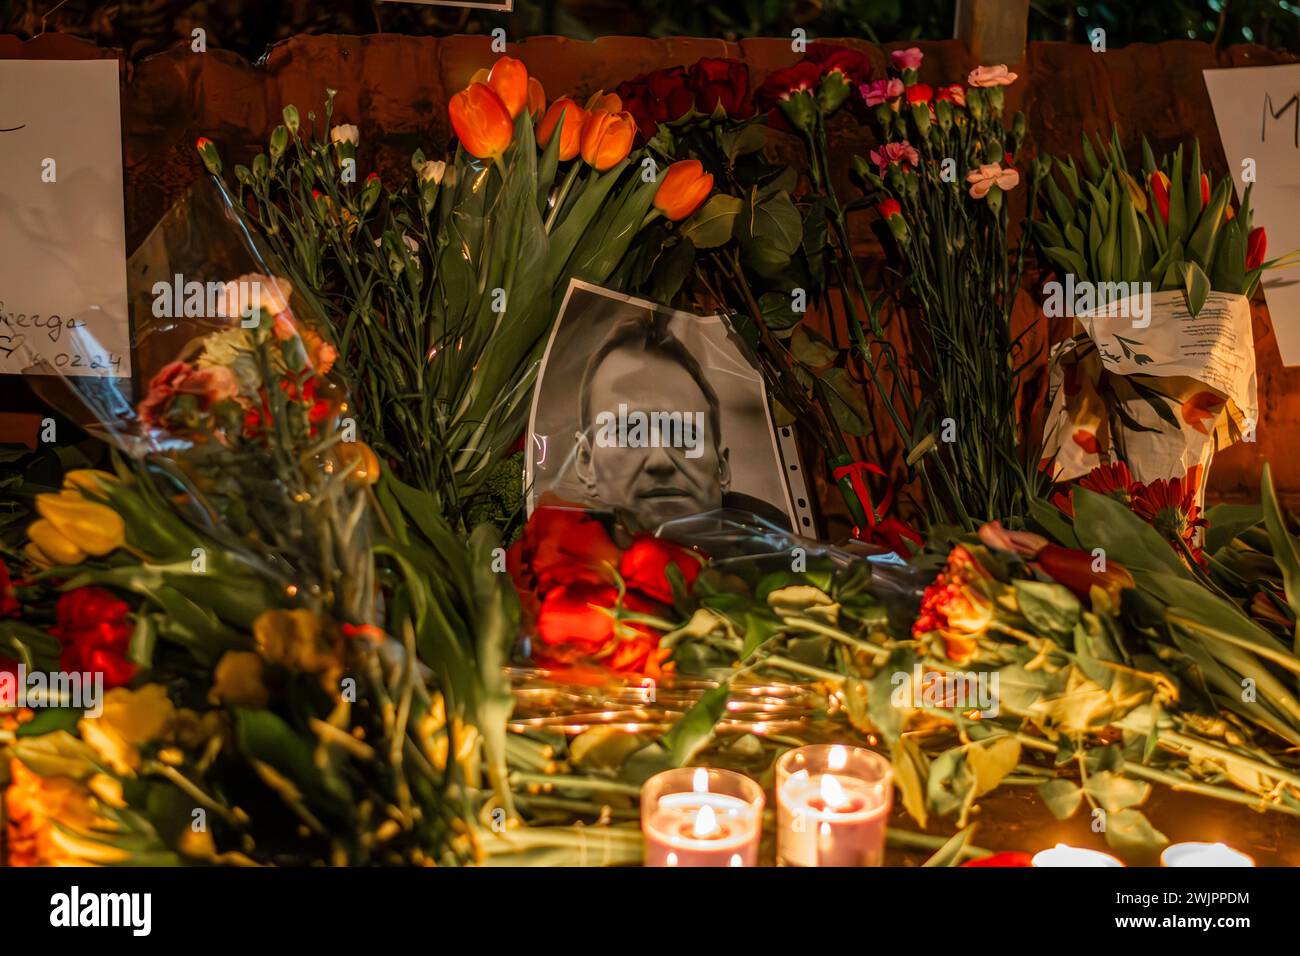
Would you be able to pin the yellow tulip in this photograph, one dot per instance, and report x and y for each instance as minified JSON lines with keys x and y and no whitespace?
{"x":53,"y":546}
{"x":238,"y":681}
{"x":96,"y":529}
{"x":36,"y":556}
{"x":130,"y":718}
{"x":89,"y":479}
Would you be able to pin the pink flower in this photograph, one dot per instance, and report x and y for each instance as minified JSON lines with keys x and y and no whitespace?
{"x":207,"y":385}
{"x":997,"y":75}
{"x":992,"y":174}
{"x":909,"y":59}
{"x":891,"y":153}
{"x":881,"y":91}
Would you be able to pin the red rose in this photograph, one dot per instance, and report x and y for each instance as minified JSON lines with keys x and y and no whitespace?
{"x":560,"y":546}
{"x":854,"y":66}
{"x":658,"y":97}
{"x":644,"y":566}
{"x":920,"y":93}
{"x":720,"y":82}
{"x":576,"y":622}
{"x":1007,"y":858}
{"x":94,"y":627}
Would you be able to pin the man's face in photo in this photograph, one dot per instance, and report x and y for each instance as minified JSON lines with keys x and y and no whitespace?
{"x":648,"y":485}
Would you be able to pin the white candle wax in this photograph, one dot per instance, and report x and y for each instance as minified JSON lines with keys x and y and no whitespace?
{"x":829,"y":819}
{"x":1204,"y":854}
{"x":1063,"y":855}
{"x":699,"y":827}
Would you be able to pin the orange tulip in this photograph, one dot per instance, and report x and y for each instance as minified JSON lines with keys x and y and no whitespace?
{"x":600,"y":100}
{"x":536,"y":96}
{"x":480,"y":76}
{"x":509,"y":78}
{"x":481,"y":121}
{"x":607,"y":138}
{"x":682,"y":189}
{"x":570,"y":133}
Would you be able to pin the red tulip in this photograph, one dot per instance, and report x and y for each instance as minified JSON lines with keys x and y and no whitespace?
{"x":1256,"y":243}
{"x":1073,"y":568}
{"x":1205,"y":190}
{"x":1006,"y":858}
{"x":536,"y":96}
{"x":1160,"y":192}
{"x":481,"y":121}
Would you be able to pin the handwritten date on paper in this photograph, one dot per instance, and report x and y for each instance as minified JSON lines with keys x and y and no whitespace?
{"x":16,"y":326}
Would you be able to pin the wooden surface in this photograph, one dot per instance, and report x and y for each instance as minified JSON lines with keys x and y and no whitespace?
{"x":394,"y":88}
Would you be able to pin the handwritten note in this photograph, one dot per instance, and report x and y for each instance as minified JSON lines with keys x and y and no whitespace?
{"x":63,"y":299}
{"x":1258,"y":114}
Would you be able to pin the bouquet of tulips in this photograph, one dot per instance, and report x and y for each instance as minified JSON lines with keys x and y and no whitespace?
{"x":1153,"y":265}
{"x":939,"y":180}
{"x":439,"y":290}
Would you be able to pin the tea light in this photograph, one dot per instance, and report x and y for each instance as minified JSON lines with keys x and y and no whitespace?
{"x":1204,"y":854}
{"x":697,"y":816}
{"x":1062,"y":855}
{"x":832,"y":805}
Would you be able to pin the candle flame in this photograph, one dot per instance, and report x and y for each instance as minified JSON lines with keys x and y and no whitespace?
{"x":700,"y":781}
{"x":838,"y":758}
{"x":706,"y":822}
{"x":736,"y":860}
{"x":832,"y":793}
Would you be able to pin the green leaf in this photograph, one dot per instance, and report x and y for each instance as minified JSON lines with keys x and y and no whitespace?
{"x":1131,"y":834}
{"x":772,"y":223}
{"x":1050,"y":608}
{"x":1115,"y":792}
{"x":1102,"y":522}
{"x":1228,"y":521}
{"x":847,"y":403}
{"x":714,"y":224}
{"x":1062,"y":798}
{"x":1286,"y":550}
{"x":694,"y":730}
{"x":951,"y":853}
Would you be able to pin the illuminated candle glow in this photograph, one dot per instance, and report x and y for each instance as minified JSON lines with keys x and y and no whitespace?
{"x":832,"y":806}
{"x":701,"y":817}
{"x":1204,"y":854}
{"x":1063,"y":855}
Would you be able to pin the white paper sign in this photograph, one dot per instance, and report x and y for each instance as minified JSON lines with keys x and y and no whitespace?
{"x":1258,"y":113}
{"x":63,"y":298}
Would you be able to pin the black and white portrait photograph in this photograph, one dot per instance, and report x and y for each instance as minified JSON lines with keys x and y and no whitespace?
{"x":651,"y":414}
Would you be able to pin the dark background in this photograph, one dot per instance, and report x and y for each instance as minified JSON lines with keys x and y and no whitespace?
{"x":141,"y":27}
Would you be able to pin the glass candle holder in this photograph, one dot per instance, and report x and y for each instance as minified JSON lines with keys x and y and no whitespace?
{"x":832,"y":806}
{"x":1064,"y":855}
{"x":700,"y":816}
{"x":1203,"y":854}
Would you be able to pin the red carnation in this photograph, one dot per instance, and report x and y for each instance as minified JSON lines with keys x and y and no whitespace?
{"x":94,"y":628}
{"x":919,"y":93}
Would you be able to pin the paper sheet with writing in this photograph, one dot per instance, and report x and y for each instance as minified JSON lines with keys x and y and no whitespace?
{"x":1162,"y":395}
{"x":1257,"y":110}
{"x":63,"y":298}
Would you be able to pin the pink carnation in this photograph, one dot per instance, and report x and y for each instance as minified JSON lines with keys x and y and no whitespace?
{"x":891,"y":153}
{"x":909,"y":59}
{"x":881,"y":91}
{"x":997,"y":75}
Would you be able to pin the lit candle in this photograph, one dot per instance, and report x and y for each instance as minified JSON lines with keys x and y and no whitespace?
{"x":701,"y":817}
{"x":1062,"y":855}
{"x":1204,"y":854}
{"x":832,"y":806}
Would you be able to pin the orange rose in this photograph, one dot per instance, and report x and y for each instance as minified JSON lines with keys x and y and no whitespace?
{"x":607,"y":139}
{"x":481,"y":121}
{"x":683,"y":188}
